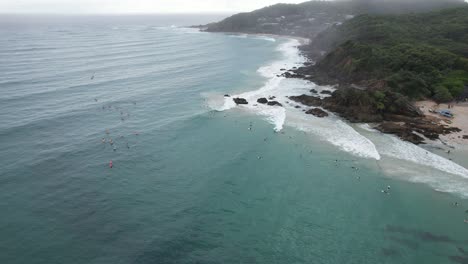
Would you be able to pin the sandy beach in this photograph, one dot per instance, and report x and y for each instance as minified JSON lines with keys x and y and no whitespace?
{"x":460,"y":119}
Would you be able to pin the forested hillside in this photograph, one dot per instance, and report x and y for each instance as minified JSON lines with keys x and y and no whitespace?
{"x":309,"y":18}
{"x":417,"y":55}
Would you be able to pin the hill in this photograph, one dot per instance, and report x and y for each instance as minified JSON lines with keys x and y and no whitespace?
{"x":310,"y":18}
{"x":417,"y":55}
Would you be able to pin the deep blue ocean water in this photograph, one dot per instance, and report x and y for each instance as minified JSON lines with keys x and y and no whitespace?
{"x":189,"y":184}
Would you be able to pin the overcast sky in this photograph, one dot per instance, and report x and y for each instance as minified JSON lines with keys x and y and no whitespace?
{"x":133,"y":6}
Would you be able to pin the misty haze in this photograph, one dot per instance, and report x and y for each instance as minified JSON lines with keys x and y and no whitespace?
{"x":180,"y":132}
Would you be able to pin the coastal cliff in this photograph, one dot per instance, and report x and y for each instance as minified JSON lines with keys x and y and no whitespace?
{"x":381,"y":56}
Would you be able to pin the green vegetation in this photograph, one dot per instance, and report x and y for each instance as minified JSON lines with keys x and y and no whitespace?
{"x":418,"y":55}
{"x":414,"y":54}
{"x":309,"y":18}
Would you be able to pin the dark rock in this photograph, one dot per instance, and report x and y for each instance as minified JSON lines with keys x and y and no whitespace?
{"x":227,"y":95}
{"x":262,"y":100}
{"x":307,"y":100}
{"x":401,"y":130}
{"x":271,"y":97}
{"x":317,"y":112}
{"x":465,"y":137}
{"x":313,"y":91}
{"x":288,"y":75}
{"x":273,"y":103}
{"x":326,"y":92}
{"x":282,"y":69}
{"x":297,"y":107}
{"x":240,"y":101}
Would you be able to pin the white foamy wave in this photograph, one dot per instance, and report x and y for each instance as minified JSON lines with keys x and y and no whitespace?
{"x":367,"y":127}
{"x":399,"y":159}
{"x":243,"y":36}
{"x":336,"y":132}
{"x":332,"y":130}
{"x":257,"y":37}
{"x":396,"y":148}
{"x":215,"y":101}
{"x":266,"y":38}
{"x":274,"y":114}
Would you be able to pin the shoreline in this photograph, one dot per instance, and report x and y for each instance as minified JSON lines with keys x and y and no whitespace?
{"x":336,"y":130}
{"x":460,"y":110}
{"x":459,"y":120}
{"x":302,"y":40}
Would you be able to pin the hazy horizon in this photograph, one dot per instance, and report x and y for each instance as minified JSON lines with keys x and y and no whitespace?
{"x":124,"y":7}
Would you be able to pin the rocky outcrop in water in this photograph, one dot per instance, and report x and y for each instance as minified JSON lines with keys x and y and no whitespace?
{"x":262,"y":101}
{"x":400,"y":117}
{"x":274,"y":103}
{"x":240,"y":101}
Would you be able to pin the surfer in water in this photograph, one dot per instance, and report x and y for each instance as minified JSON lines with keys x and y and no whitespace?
{"x":111,"y":164}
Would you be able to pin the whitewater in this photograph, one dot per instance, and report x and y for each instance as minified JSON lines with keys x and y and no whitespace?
{"x":359,"y":140}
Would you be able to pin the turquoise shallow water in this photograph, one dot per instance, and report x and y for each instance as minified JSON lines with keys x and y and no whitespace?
{"x":189,"y":184}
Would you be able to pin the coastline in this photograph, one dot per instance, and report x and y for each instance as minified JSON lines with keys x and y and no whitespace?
{"x":360,"y":139}
{"x":459,"y":120}
{"x":302,"y":40}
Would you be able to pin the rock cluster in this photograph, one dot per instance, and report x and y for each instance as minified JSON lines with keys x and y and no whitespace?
{"x":405,"y":122}
{"x":317,"y":112}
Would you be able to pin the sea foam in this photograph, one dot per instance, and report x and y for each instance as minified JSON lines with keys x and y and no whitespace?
{"x":332,"y":130}
{"x":395,"y":157}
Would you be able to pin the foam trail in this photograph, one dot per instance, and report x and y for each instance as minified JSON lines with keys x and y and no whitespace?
{"x":400,"y":159}
{"x":399,"y":149}
{"x":332,"y":130}
{"x":394,"y":147}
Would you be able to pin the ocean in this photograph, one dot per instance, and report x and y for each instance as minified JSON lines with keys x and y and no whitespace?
{"x":195,"y":178}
